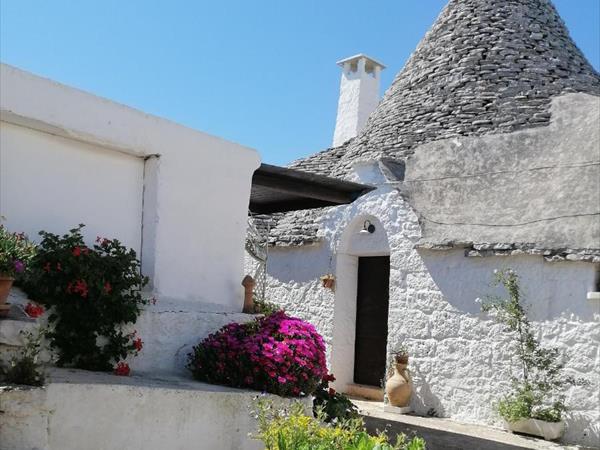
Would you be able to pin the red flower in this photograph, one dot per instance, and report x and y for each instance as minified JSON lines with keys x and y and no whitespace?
{"x":122,"y":369}
{"x":34,"y":311}
{"x":76,"y":251}
{"x":331,"y":391}
{"x":329,"y":378}
{"x":138,"y":344}
{"x":107,"y":287}
{"x":79,"y":287}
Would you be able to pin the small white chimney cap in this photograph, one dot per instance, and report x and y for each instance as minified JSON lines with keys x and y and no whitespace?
{"x":355,"y":58}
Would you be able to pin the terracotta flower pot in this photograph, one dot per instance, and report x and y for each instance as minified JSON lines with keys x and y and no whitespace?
{"x":328,"y":281}
{"x":5,"y":285}
{"x":535,"y":427}
{"x":399,"y":386}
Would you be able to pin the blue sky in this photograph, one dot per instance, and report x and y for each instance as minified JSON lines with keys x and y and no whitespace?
{"x":261,"y":73}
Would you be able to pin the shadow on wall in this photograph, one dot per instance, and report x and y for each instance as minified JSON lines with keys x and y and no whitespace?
{"x":433,"y":407}
{"x":300,"y":265}
{"x":552,"y":290}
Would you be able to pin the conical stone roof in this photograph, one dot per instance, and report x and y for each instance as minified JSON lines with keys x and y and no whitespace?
{"x":485,"y":67}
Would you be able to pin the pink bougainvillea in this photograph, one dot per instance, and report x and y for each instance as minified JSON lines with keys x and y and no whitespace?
{"x":277,"y":353}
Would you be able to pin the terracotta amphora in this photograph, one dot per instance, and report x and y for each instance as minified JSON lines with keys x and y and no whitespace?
{"x":399,"y":386}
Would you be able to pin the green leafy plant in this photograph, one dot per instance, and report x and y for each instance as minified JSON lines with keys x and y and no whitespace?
{"x":25,"y":367}
{"x":400,"y":354}
{"x":538,"y":387}
{"x":265,"y":307}
{"x":16,"y":251}
{"x":332,"y":405}
{"x":91,"y":293}
{"x":292,"y":429}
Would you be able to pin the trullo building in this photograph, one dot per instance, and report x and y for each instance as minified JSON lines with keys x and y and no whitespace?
{"x":485,"y":154}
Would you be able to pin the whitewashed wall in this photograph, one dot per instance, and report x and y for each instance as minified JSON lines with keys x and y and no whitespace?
{"x":359,"y":96}
{"x":459,"y":357}
{"x":197,"y":186}
{"x":53,"y":183}
{"x":80,"y":410}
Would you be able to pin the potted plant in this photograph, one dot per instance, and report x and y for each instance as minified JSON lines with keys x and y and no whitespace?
{"x":398,"y":386}
{"x":15,"y":253}
{"x":536,"y":402}
{"x":328,"y":281}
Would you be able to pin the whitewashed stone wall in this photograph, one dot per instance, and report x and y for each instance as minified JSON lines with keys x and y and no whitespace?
{"x":97,"y":157}
{"x":459,"y":357}
{"x":53,"y":183}
{"x":80,"y":410}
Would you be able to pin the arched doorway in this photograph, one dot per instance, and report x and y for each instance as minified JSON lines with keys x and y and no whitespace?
{"x":358,"y":354}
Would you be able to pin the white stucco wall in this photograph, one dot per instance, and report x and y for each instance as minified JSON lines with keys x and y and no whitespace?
{"x":198,"y":188}
{"x":53,"y":183}
{"x":85,"y":410}
{"x":459,"y":357}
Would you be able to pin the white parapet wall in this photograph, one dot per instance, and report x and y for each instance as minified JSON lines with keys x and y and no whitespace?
{"x":87,"y":410}
{"x":178,"y":195}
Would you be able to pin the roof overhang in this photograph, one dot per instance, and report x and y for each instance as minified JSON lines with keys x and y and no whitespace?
{"x":279,"y":189}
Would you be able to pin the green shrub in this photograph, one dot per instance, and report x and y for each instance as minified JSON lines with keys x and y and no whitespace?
{"x":25,"y":367}
{"x":265,"y":307}
{"x":292,"y":429}
{"x":539,"y":383}
{"x":332,"y":405}
{"x":91,"y":293}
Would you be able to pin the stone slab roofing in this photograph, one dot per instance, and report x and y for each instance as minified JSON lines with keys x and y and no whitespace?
{"x":485,"y":67}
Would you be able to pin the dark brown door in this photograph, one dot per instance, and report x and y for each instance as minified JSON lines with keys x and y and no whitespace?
{"x":372,"y":301}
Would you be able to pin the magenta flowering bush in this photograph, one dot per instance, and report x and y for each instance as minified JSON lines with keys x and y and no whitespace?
{"x":278,"y":354}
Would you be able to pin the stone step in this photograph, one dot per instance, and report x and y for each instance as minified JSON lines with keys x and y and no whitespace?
{"x":445,"y":434}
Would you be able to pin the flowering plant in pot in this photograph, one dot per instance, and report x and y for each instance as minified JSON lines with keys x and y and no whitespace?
{"x":536,"y":403}
{"x":91,"y":294}
{"x":398,"y":387}
{"x":328,"y":281}
{"x":277,"y":353}
{"x":400,"y":354}
{"x":15,"y":253}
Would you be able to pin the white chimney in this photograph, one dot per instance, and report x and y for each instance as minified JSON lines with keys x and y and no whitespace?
{"x":359,"y":95}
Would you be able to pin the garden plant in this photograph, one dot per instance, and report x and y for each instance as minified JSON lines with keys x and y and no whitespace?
{"x":16,"y":251}
{"x":91,"y":293}
{"x":276,"y":353}
{"x":292,"y":429}
{"x":539,"y":383}
{"x":331,"y":405}
{"x":25,"y":367}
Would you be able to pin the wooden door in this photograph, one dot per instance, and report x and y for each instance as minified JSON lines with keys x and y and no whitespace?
{"x":372,"y":302}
